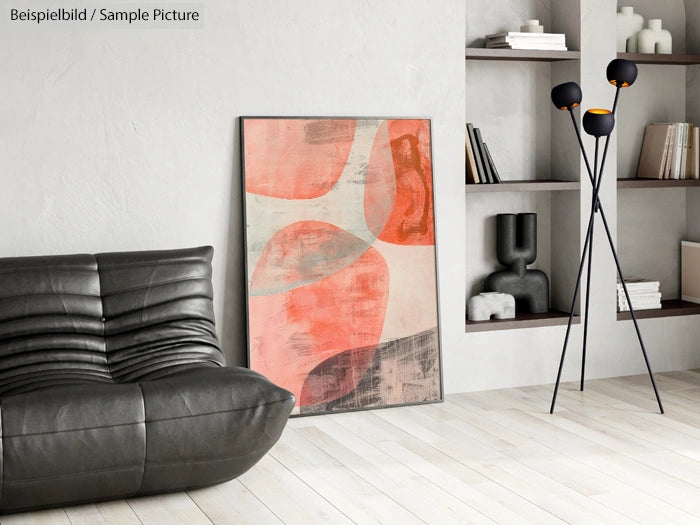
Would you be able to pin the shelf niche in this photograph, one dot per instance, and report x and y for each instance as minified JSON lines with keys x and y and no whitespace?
{"x":533,"y":147}
{"x":651,"y":223}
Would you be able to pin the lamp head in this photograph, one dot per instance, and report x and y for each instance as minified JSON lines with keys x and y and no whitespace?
{"x":621,"y":73}
{"x":598,"y":122}
{"x":566,"y":96}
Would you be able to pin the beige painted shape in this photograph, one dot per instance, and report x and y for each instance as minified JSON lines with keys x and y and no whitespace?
{"x":412,"y":305}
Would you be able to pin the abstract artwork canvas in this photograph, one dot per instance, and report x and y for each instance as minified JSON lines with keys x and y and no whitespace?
{"x":340,"y":260}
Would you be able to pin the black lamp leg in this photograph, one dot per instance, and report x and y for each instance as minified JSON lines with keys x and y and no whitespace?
{"x":586,"y":244}
{"x":594,"y":208}
{"x":634,"y":317}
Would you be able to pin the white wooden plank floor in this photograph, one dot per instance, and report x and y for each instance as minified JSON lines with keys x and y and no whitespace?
{"x":605,"y":456}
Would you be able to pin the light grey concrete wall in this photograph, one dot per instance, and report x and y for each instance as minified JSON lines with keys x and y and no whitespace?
{"x":127,"y":138}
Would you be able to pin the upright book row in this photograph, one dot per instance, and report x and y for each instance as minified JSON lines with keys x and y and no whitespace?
{"x":480,"y":166}
{"x":670,"y":151}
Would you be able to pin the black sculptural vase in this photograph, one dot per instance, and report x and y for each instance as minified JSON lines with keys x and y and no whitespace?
{"x":516,"y":247}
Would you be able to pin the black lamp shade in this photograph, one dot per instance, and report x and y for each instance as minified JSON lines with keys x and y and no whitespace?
{"x":621,"y":72}
{"x":566,"y":96}
{"x":598,"y":122}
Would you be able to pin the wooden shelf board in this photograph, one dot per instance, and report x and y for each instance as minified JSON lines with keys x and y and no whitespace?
{"x":671,"y":308}
{"x":536,"y":55}
{"x":552,"y":318}
{"x":656,"y":183}
{"x":652,"y":58}
{"x":524,"y":185}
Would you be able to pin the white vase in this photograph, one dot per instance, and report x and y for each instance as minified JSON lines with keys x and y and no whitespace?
{"x":654,"y":39}
{"x":629,"y":25}
{"x":532,"y":26}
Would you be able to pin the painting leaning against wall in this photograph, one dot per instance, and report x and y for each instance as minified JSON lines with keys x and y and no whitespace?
{"x":340,"y":260}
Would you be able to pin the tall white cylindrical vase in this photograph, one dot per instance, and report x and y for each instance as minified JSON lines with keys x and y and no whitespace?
{"x":629,"y":24}
{"x":654,"y":39}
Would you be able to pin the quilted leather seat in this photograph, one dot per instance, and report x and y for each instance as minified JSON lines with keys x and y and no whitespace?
{"x":112,"y":382}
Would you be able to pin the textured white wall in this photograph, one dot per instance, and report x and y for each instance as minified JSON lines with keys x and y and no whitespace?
{"x":127,"y":139}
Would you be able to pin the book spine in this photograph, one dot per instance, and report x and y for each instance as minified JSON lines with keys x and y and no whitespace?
{"x":678,"y":143}
{"x":689,"y":152}
{"x":484,"y":160}
{"x":492,"y":164}
{"x":683,"y":149}
{"x":472,"y":173}
{"x":477,"y":154}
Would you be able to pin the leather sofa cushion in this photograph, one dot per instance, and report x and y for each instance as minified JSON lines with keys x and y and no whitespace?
{"x":209,"y":425}
{"x":51,"y":330}
{"x":159,"y":316}
{"x":72,"y":443}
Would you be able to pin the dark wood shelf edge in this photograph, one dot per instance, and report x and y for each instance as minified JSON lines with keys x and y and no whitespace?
{"x":653,"y":58}
{"x":552,"y":318}
{"x":536,"y":55}
{"x":525,"y":185}
{"x":631,"y":183}
{"x":670,"y":308}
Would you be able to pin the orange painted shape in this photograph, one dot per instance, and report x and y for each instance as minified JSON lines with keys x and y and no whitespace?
{"x":291,"y":333}
{"x":295,"y":158}
{"x":410,"y":222}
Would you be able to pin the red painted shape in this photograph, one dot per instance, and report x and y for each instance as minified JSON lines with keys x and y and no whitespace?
{"x":292,"y":332}
{"x":380,"y":182}
{"x":295,"y":158}
{"x":410,"y":221}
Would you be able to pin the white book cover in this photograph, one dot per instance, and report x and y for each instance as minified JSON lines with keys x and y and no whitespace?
{"x":641,"y":296}
{"x":520,"y":34}
{"x":639,"y":284}
{"x":684,"y":149}
{"x":621,"y":304}
{"x":641,"y":307}
{"x":677,"y":149}
{"x":529,"y":37}
{"x":668,"y":169}
{"x":676,"y":158}
{"x":534,"y":46}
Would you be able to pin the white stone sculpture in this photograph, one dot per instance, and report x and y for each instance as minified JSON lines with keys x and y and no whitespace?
{"x":629,"y":24}
{"x":654,"y":39}
{"x":481,"y":307}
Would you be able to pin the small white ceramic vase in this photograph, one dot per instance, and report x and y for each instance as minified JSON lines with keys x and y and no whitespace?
{"x":532,"y":26}
{"x":654,"y":39}
{"x":629,"y":24}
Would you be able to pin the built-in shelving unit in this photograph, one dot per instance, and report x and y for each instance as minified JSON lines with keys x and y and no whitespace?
{"x":525,"y":320}
{"x":653,"y":222}
{"x":480,"y":53}
{"x":523,"y":143}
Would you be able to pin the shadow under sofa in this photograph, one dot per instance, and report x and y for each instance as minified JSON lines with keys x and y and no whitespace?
{"x":113,"y":384}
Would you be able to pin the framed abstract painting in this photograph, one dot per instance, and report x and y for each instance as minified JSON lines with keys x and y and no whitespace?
{"x":340,"y":260}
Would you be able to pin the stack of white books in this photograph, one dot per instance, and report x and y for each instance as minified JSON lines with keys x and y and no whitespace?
{"x":644,"y":294}
{"x":520,"y":40}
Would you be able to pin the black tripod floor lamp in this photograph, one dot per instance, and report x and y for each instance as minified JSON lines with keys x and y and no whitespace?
{"x":598,"y":123}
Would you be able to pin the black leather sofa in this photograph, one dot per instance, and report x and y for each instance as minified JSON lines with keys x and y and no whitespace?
{"x":112,"y":382}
